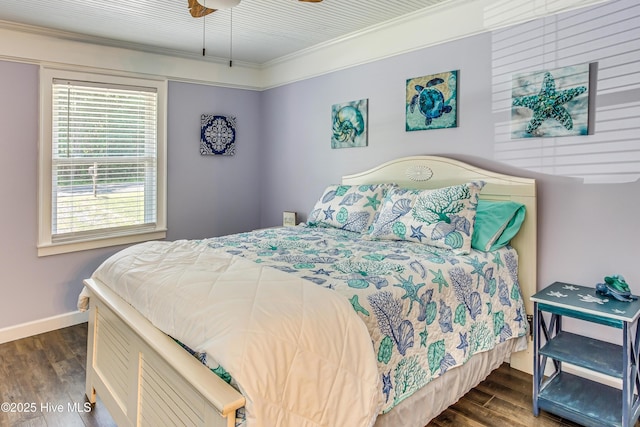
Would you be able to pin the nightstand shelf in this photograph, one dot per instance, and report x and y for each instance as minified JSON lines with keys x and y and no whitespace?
{"x":589,"y":353}
{"x":582,"y":400}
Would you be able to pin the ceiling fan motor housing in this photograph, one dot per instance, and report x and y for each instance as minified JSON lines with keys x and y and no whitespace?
{"x":219,"y":4}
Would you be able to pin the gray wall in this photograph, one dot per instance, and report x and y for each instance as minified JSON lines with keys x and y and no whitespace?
{"x":31,"y":288}
{"x":585,"y":230}
{"x":207,"y":196}
{"x":298,"y":121}
{"x":212,"y":195}
{"x":284,"y":159}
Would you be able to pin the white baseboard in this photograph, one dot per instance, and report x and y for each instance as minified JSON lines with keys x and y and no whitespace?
{"x":41,"y":326}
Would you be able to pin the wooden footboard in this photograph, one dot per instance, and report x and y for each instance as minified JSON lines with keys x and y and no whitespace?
{"x":143,"y":377}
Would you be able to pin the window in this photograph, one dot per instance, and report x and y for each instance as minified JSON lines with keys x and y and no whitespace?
{"x":102,"y":161}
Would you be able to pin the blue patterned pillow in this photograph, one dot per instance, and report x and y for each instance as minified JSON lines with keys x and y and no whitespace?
{"x":348,"y":207}
{"x":443,"y":217}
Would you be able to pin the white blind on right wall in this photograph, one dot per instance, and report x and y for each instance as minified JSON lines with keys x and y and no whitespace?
{"x":609,"y":34}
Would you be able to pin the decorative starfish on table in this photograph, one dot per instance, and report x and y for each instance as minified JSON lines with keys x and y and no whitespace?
{"x":556,"y":294}
{"x":548,"y":104}
{"x":591,"y":298}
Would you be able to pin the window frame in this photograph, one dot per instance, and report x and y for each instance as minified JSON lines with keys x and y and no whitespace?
{"x":46,"y":244}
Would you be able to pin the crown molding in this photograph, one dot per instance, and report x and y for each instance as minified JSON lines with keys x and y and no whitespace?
{"x":428,"y":27}
{"x":102,"y":41}
{"x":22,"y":43}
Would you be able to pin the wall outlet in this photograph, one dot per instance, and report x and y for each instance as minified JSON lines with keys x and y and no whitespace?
{"x":289,"y":219}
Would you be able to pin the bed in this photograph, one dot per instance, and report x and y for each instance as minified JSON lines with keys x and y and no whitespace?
{"x":144,"y":377}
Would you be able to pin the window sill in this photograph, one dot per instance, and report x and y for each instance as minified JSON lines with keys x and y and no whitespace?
{"x":62,"y":248}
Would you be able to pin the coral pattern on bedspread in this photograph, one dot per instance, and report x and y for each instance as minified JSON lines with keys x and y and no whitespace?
{"x":427,"y":309}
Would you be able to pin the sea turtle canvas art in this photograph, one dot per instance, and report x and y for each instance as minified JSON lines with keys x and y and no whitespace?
{"x":431,"y":101}
{"x":550,"y":103}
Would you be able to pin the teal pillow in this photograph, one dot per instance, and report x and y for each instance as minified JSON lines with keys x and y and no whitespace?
{"x":496,"y":224}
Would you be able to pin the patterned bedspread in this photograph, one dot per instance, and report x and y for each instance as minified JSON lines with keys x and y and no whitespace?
{"x":426,"y":309}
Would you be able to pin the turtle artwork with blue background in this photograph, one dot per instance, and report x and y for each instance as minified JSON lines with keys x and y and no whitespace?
{"x":431,"y":101}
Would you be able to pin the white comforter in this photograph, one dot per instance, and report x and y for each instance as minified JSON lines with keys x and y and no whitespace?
{"x":299,"y":352}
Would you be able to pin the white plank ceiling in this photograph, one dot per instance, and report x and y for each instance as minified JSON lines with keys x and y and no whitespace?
{"x":255,"y":31}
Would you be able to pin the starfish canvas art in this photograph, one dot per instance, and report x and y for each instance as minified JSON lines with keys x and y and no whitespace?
{"x":551,"y":103}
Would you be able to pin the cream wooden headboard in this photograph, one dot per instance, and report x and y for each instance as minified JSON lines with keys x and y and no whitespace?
{"x":426,"y":172}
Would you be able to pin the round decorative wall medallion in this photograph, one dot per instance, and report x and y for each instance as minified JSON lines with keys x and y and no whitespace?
{"x":419,"y":173}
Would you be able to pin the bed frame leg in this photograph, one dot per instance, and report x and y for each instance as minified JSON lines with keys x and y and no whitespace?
{"x":90,"y":391}
{"x":90,"y":396}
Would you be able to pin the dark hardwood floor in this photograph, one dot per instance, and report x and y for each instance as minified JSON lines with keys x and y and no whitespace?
{"x":42,"y":380}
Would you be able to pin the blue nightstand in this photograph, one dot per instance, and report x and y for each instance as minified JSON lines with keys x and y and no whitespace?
{"x":572,"y":397}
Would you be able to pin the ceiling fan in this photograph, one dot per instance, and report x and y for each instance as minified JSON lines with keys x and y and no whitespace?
{"x":198,"y":10}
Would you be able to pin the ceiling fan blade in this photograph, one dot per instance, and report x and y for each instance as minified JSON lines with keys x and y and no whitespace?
{"x":197,"y":10}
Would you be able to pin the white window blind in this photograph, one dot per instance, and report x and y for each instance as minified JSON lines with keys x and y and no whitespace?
{"x":104,"y":162}
{"x":104,"y":158}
